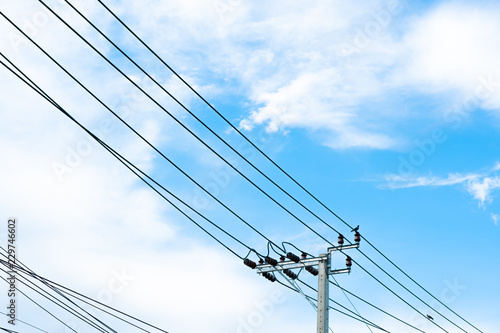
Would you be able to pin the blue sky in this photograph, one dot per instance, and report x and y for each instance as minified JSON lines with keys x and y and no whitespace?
{"x":386,"y":110}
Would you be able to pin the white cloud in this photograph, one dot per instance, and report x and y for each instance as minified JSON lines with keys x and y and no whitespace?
{"x":452,"y":47}
{"x":495,"y":218}
{"x":479,"y":185}
{"x":446,"y":50}
{"x":481,"y":188}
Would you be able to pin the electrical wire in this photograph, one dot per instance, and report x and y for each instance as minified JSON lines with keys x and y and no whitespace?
{"x":272,"y":161}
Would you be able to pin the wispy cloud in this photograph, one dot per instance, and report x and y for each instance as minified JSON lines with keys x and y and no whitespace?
{"x":480,"y":185}
{"x":495,"y":218}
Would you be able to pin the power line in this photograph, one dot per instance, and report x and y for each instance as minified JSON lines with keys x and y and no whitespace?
{"x":272,"y":161}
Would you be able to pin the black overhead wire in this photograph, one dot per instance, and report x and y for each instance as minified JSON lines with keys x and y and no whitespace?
{"x":28,"y":271}
{"x":204,"y":143}
{"x":355,"y":316}
{"x":55,"y":301}
{"x":273,"y":162}
{"x":137,"y":133}
{"x":44,"y":95}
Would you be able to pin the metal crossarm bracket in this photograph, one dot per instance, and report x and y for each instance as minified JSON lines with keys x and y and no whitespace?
{"x":340,"y":271}
{"x":341,"y":248}
{"x":287,"y":265}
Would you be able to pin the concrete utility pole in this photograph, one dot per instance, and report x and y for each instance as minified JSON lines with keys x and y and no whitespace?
{"x":323,"y":293}
{"x":323,"y":272}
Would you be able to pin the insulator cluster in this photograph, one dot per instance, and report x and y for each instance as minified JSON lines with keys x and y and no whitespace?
{"x":348,"y":262}
{"x":269,"y":276}
{"x":293,"y":257}
{"x":312,"y":270}
{"x":250,"y":263}
{"x":271,"y":261}
{"x":290,"y":274}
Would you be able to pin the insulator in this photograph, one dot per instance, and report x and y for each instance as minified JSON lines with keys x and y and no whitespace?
{"x":282,"y":258}
{"x":341,"y":239}
{"x":293,"y":257}
{"x":269,"y":276}
{"x":261,"y":262}
{"x":312,"y":270}
{"x":290,"y":274}
{"x":250,"y":263}
{"x":304,"y":255}
{"x":348,"y":261}
{"x":357,"y":237}
{"x":271,"y":261}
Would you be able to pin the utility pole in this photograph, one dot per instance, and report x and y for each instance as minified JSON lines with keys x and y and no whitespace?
{"x":323,"y":293}
{"x":323,"y":272}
